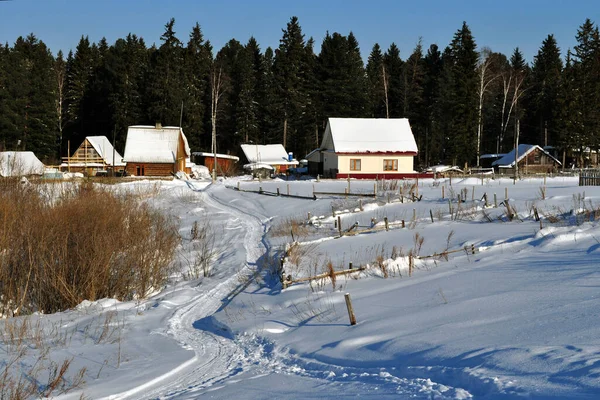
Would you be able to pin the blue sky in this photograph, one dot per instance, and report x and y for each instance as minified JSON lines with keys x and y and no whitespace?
{"x":500,"y":25}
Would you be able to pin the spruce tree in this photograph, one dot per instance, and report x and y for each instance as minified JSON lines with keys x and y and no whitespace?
{"x":394,"y":70}
{"x":433,"y":151}
{"x":586,"y":65}
{"x":290,"y":73}
{"x":545,"y":85}
{"x":376,"y":83}
{"x":458,"y":95}
{"x":166,"y":84}
{"x":197,"y":61}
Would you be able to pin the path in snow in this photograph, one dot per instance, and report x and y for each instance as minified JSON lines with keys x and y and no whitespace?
{"x":247,"y":366}
{"x":217,"y":357}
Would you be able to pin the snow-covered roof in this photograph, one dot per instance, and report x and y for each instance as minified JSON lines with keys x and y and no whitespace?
{"x":255,"y":166}
{"x":154,"y":144}
{"x":369,"y":135}
{"x":523,"y":150}
{"x":105,"y":150}
{"x":226,"y":156}
{"x":486,"y":156}
{"x":19,"y":163}
{"x":272,"y":154}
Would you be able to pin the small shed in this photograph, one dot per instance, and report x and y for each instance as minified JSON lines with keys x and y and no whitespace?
{"x":20,"y":163}
{"x":365,"y":148}
{"x":226,"y":164}
{"x":95,"y":154}
{"x":531,"y":159}
{"x":156,"y":151}
{"x":270,"y":154}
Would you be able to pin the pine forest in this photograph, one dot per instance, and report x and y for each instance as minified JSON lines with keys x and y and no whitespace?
{"x":462,"y":100}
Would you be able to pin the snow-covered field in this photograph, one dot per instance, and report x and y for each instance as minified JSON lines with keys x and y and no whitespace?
{"x":519,"y":318}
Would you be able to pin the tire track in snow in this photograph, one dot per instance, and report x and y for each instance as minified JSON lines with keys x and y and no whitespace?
{"x":219,"y":358}
{"x":216,"y":357}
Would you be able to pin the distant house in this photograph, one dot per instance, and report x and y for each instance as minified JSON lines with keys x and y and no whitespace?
{"x":226,"y":164}
{"x":365,"y":148}
{"x":273,"y":155}
{"x":156,"y":151}
{"x":531,"y":159}
{"x":20,"y":163}
{"x":95,"y":154}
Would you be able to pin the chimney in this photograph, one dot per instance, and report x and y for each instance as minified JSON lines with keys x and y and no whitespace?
{"x":158,"y":125}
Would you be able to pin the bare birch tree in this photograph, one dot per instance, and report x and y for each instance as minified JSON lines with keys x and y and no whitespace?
{"x":485,"y":78}
{"x":385,"y":90}
{"x":60,"y":73}
{"x":216,"y":85}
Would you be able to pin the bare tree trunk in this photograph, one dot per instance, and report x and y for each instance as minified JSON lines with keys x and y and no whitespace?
{"x":483,"y":84}
{"x":216,"y":93}
{"x":385,"y":90}
{"x":506,"y":89}
{"x":285,"y":122}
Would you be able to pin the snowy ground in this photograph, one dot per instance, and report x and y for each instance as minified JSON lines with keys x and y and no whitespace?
{"x":518,"y":319}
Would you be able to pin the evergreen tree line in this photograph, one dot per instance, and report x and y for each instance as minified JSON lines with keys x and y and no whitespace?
{"x":461,"y":101}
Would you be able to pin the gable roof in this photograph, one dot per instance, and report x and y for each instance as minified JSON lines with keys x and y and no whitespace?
{"x":523,"y":150}
{"x":105,"y":149}
{"x":272,"y":154}
{"x":19,"y":163}
{"x":369,"y":135}
{"x":154,"y":145}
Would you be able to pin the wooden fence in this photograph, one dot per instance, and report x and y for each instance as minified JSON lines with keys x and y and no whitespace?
{"x":589,"y":178}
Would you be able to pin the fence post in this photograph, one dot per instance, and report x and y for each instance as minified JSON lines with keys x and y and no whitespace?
{"x":450,"y":206}
{"x":387,"y":226}
{"x":495,"y":201}
{"x":473,"y":194}
{"x":431,"y":215}
{"x":288,"y":189}
{"x":339,"y":219}
{"x":360,"y":206}
{"x":375,"y":188}
{"x":350,"y":309}
{"x":411,"y":262}
{"x":403,"y":225}
{"x":417,"y":186}
{"x":332,"y":211}
{"x":414,"y":214}
{"x":506,"y":193}
{"x":278,"y":192}
{"x":348,"y":184}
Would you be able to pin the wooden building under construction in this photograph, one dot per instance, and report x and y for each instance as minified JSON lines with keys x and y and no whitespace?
{"x":94,"y":156}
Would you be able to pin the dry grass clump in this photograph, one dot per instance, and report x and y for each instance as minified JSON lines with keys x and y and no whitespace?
{"x":293,"y":227}
{"x":80,"y":244}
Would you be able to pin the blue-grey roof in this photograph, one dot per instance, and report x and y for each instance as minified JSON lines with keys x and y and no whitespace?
{"x":509,"y":159}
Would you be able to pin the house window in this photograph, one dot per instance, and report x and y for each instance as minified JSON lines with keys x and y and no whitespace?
{"x":140,"y":170}
{"x":390,"y":165}
{"x":355,"y":164}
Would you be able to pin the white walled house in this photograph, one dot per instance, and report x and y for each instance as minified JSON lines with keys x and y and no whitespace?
{"x":365,"y":148}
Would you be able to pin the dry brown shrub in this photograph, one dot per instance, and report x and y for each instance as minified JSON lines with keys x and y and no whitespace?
{"x":60,"y":245}
{"x":292,"y":227}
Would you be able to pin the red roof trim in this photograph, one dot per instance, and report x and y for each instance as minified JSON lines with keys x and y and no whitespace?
{"x":385,"y":175}
{"x":376,"y":153}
